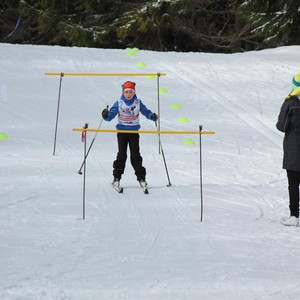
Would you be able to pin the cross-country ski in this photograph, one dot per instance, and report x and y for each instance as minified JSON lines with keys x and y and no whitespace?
{"x":116,"y":185}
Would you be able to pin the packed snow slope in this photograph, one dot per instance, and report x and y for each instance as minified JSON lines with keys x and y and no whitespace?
{"x":131,"y":245}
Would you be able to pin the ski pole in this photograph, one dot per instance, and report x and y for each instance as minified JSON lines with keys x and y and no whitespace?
{"x":162,"y":152}
{"x":57,"y":112}
{"x":200,"y":166}
{"x":83,"y":138}
{"x":80,"y":172}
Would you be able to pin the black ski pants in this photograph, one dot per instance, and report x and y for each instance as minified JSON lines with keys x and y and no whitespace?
{"x":294,"y":181}
{"x":133,"y":140}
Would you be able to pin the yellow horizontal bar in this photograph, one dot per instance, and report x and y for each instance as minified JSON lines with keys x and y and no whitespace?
{"x":144,"y":131}
{"x":104,"y":74}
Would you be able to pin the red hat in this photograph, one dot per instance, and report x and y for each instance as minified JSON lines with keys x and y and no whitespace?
{"x":128,"y":85}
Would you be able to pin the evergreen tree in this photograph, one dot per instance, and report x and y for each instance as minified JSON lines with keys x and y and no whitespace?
{"x":275,"y":22}
{"x":185,"y":25}
{"x":9,"y":15}
{"x":164,"y":25}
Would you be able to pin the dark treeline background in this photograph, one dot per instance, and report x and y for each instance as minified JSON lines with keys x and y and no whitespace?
{"x":224,"y":26}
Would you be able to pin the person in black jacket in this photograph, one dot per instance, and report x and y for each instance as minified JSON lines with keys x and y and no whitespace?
{"x":289,"y":123}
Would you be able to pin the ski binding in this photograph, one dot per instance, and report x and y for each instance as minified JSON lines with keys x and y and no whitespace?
{"x":144,"y":187}
{"x":117,"y":187}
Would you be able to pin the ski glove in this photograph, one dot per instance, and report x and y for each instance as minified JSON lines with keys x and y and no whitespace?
{"x":105,"y":113}
{"x":154,"y":117}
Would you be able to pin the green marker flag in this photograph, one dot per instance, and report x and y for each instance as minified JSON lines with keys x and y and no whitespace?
{"x":151,"y":77}
{"x":189,"y":142}
{"x":131,"y":54}
{"x":163,"y":90}
{"x":141,"y":64}
{"x":183,"y":120}
{"x":4,"y":136}
{"x":176,"y":106}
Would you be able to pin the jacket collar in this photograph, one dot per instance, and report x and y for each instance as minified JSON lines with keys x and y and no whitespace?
{"x":128,"y":102}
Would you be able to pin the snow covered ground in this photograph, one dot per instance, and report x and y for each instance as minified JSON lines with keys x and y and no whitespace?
{"x":135,"y":246}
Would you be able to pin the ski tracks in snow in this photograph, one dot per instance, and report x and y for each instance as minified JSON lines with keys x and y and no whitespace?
{"x":231,"y":102}
{"x":258,"y":197}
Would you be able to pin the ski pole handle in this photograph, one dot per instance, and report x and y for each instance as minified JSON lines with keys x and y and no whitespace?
{"x":83,"y":133}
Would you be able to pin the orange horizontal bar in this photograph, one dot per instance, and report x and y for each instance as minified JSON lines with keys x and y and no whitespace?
{"x":143,"y":131}
{"x":103,"y":74}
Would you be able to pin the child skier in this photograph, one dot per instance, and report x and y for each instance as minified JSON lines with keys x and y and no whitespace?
{"x":128,"y":109}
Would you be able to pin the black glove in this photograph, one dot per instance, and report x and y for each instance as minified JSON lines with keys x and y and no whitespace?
{"x":104,"y":113}
{"x":154,"y":117}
